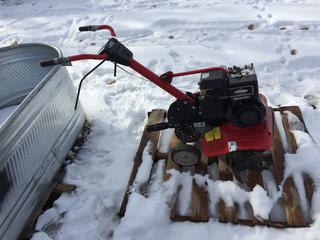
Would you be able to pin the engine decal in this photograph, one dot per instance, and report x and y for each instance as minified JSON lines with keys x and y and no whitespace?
{"x":212,"y":135}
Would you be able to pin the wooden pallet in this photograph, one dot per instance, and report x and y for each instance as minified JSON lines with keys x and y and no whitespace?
{"x":155,"y":116}
{"x":290,"y":200}
{"x":199,"y":193}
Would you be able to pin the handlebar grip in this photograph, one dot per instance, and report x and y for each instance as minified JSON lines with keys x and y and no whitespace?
{"x":91,"y":28}
{"x":48,"y":63}
{"x":84,"y":28}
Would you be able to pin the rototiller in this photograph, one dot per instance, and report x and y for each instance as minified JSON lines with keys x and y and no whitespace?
{"x":227,"y":114}
{"x":228,"y":123}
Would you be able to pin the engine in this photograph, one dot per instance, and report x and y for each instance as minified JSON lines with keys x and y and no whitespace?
{"x":224,"y":96}
{"x":231,"y":96}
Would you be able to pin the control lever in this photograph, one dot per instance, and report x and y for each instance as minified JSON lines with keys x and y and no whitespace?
{"x":158,"y":127}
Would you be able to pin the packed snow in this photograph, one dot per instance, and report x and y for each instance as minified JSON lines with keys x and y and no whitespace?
{"x":281,"y":37}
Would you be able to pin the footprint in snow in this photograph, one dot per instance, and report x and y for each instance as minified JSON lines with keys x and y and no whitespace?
{"x":283,"y":60}
{"x":105,"y":213}
{"x":280,"y":49}
{"x":174,"y":55}
{"x":313,"y":100}
{"x":152,"y":64}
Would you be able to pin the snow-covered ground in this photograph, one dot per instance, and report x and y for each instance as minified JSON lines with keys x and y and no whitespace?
{"x":168,"y":35}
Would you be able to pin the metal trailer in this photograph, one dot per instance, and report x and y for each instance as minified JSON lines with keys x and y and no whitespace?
{"x":37,"y":136}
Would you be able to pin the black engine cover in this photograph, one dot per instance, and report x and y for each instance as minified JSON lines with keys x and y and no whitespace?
{"x":247,"y":113}
{"x":231,"y":96}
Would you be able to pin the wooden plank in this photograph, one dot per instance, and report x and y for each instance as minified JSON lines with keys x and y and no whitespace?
{"x":290,"y":137}
{"x":174,"y":142}
{"x":64,"y":188}
{"x":173,"y":213}
{"x":292,"y":208}
{"x":225,"y":172}
{"x":291,"y":198}
{"x":201,"y":167}
{"x":296,"y":111}
{"x":254,"y":179}
{"x":275,"y":224}
{"x":170,"y":164}
{"x":156,"y":116}
{"x":292,"y":204}
{"x":200,"y":201}
{"x":155,"y":137}
{"x":199,"y":193}
{"x":309,"y":186}
{"x":277,"y":155}
{"x":162,"y":155}
{"x":227,"y":213}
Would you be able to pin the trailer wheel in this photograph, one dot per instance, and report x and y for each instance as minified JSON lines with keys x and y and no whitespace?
{"x":186,"y":155}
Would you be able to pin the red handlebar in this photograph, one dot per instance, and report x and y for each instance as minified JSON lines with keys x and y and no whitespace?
{"x":199,"y":71}
{"x":94,"y":28}
{"x":109,"y":28}
{"x":87,"y":56}
{"x":136,"y":66}
{"x":163,"y":81}
{"x":165,"y":85}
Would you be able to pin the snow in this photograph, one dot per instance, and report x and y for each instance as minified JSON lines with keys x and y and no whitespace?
{"x":184,"y":198}
{"x":278,"y":121}
{"x":145,"y":168}
{"x":41,"y":236}
{"x":231,"y":193}
{"x":172,"y":35}
{"x":261,"y":203}
{"x":49,"y":216}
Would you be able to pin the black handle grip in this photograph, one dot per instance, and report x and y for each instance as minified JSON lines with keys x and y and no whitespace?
{"x":84,"y":28}
{"x":91,"y":28}
{"x":48,"y":63}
